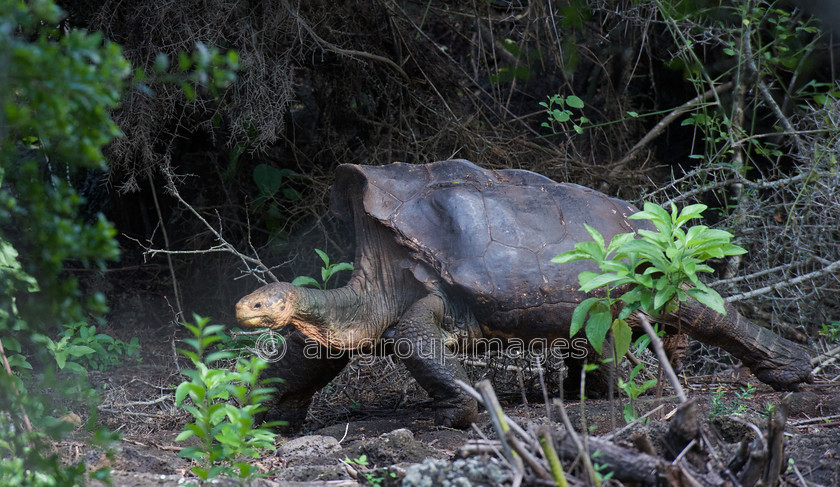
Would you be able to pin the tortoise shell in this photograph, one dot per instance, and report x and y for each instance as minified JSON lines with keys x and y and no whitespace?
{"x":489,"y":234}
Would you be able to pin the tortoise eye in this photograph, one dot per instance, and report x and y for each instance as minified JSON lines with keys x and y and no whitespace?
{"x":257,"y":305}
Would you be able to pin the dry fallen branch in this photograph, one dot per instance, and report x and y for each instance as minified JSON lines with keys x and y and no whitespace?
{"x":684,"y":460}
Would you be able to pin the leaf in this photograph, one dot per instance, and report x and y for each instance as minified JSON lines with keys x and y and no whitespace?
{"x":579,"y":315}
{"x":292,"y":194}
{"x":324,"y":257}
{"x":301,"y":281}
{"x":623,"y":336}
{"x":342,"y":266}
{"x":597,"y":326}
{"x":692,"y":211}
{"x":79,"y":350}
{"x":191,"y":452}
{"x":11,"y":344}
{"x":561,"y":115}
{"x":268,"y":179}
{"x":184,"y":435}
{"x":19,"y":362}
{"x":619,"y":241}
{"x":570,"y":256}
{"x":663,"y":296}
{"x":654,"y":213}
{"x":220,"y":355}
{"x":596,"y":236}
{"x":604,"y":279}
{"x":574,"y":102}
{"x":75,"y":368}
{"x":585,"y":276}
{"x":708,"y":297}
{"x":633,"y":114}
{"x":591,"y":248}
{"x":181,"y":392}
{"x":61,"y":359}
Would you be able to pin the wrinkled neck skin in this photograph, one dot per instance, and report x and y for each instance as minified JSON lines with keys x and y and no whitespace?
{"x":343,"y":318}
{"x":378,"y":293}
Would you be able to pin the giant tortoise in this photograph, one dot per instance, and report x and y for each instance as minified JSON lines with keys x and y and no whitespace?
{"x":449,"y":254}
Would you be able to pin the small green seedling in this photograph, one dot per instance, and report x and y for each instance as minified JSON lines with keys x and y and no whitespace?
{"x":327,"y":271}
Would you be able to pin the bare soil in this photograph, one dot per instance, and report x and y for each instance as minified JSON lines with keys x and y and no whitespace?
{"x":376,"y":411}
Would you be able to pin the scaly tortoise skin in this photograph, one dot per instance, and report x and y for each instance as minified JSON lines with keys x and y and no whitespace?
{"x":450,"y":253}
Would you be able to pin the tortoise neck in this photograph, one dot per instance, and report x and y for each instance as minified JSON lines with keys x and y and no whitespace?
{"x":378,"y":293}
{"x":346,"y":318}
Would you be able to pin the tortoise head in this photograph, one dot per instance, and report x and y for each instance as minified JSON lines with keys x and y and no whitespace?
{"x":270,"y":306}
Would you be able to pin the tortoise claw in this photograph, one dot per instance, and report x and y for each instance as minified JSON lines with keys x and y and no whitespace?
{"x":787,"y":376}
{"x":460,"y":417}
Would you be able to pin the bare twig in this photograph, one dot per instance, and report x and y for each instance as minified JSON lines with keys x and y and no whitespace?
{"x":500,"y":424}
{"x":344,"y":52}
{"x":527,"y":457}
{"x":824,"y":359}
{"x":224,"y":245}
{"x":663,"y":359}
{"x":667,"y":120}
{"x":733,"y":280}
{"x":27,"y":424}
{"x":478,"y":397}
{"x":175,"y":286}
{"x":768,"y":97}
{"x":783,"y":284}
{"x":587,"y":462}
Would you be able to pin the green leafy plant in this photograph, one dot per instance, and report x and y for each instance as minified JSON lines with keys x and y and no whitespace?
{"x":601,"y":475}
{"x":79,"y":348}
{"x":652,"y":272}
{"x":370,"y":477}
{"x":56,"y":95}
{"x":327,"y":271}
{"x":558,"y":110}
{"x":226,"y":432}
{"x":107,"y":352}
{"x":738,"y":405}
{"x":633,"y":391}
{"x":831,"y":331}
{"x":643,"y":341}
{"x":271,"y":182}
{"x":65,"y":353}
{"x":205,"y":67}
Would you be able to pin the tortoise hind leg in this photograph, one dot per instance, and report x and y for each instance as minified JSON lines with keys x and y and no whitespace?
{"x":776,"y":361}
{"x":419,"y":343}
{"x":304,"y":369}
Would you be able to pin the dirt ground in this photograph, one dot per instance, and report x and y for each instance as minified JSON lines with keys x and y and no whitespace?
{"x":377,"y":412}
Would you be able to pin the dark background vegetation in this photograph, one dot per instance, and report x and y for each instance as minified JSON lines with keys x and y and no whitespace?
{"x":732,"y":104}
{"x":372,"y":82}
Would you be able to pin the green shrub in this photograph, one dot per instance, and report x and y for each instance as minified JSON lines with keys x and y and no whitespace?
{"x":652,"y":271}
{"x":226,"y":432}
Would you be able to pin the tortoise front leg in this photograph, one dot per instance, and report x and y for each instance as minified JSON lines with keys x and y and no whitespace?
{"x":420,"y":345}
{"x":301,"y":375}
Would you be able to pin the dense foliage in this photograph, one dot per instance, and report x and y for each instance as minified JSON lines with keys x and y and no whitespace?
{"x":56,"y":91}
